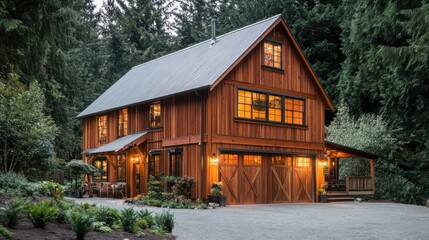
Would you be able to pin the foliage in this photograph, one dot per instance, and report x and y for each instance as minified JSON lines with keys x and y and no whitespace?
{"x":48,"y":188}
{"x":42,"y":212}
{"x":4,"y":232}
{"x":165,"y":221}
{"x":101,"y":227}
{"x":80,"y":221}
{"x":154,"y":189}
{"x":128,"y":217}
{"x":147,"y":216}
{"x":14,"y":210}
{"x":63,"y":207}
{"x":15,"y":184}
{"x":183,"y":186}
{"x":107,"y":215}
{"x":216,"y":189}
{"x":76,"y":169}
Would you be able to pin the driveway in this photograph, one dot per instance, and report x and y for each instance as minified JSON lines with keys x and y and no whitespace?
{"x":344,"y":220}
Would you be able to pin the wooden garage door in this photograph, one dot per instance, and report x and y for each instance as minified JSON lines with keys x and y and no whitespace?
{"x":249,"y":179}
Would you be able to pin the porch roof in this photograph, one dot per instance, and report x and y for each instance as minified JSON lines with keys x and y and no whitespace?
{"x":119,"y":144}
{"x":342,"y":151}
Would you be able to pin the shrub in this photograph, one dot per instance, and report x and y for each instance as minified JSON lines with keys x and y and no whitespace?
{"x":128,"y":219}
{"x":48,"y":188}
{"x":158,"y":231}
{"x":4,"y":232}
{"x":184,"y":186}
{"x":142,"y":224}
{"x":154,"y":189}
{"x":14,"y":211}
{"x":154,"y":202}
{"x":80,"y":222}
{"x":63,"y":206}
{"x":101,"y":227}
{"x":165,"y":221}
{"x":106,"y":215}
{"x":15,"y":184}
{"x":42,"y":212}
{"x":147,"y":216}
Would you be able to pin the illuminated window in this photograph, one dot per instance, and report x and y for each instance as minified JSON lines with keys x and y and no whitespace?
{"x":229,"y":159}
{"x":302,"y":161}
{"x":294,"y":111}
{"x":102,"y":164}
{"x":123,"y":122}
{"x":252,"y":105}
{"x":155,"y":115}
{"x":121,"y":165}
{"x":252,"y":160}
{"x":102,"y":129}
{"x":281,"y":161}
{"x":154,"y":164}
{"x":273,"y":55}
{"x":275,"y":108}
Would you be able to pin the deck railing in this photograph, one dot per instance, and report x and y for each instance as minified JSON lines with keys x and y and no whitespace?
{"x":361,"y":183}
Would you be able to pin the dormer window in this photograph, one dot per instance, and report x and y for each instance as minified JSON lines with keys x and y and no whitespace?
{"x":155,"y":115}
{"x":123,"y":123}
{"x":102,"y":129}
{"x":272,"y":54}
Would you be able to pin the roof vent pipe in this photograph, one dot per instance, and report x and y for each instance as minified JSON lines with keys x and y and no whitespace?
{"x":214,"y":20}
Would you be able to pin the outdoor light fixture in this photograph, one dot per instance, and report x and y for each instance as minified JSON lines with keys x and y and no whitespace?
{"x":214,"y":159}
{"x":135,"y":159}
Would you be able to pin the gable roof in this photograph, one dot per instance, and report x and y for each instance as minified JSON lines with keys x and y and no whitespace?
{"x":199,"y":66}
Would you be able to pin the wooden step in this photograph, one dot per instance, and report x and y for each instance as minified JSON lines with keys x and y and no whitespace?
{"x":340,"y":199}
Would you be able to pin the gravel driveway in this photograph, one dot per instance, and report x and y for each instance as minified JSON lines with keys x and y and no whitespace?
{"x":345,"y":220}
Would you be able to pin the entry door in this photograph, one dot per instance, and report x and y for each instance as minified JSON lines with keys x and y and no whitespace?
{"x":137,"y":174}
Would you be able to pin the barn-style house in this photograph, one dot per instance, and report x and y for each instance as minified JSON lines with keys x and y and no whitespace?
{"x":244,"y":108}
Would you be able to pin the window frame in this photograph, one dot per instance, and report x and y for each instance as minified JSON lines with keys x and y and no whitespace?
{"x":150,"y":118}
{"x":123,"y":126}
{"x":100,"y":178}
{"x":102,"y":141}
{"x":177,"y":152}
{"x":151,"y":161}
{"x":273,"y":43}
{"x":267,"y":107}
{"x":123,"y":156}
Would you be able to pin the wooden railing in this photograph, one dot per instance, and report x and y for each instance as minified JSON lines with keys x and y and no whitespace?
{"x":365,"y":183}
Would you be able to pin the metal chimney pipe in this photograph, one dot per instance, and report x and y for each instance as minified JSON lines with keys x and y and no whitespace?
{"x":214,"y":20}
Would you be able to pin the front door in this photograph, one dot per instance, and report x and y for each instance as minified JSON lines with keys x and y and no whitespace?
{"x":137,"y":175}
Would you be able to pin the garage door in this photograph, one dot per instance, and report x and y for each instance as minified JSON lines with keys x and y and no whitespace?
{"x":251,"y":178}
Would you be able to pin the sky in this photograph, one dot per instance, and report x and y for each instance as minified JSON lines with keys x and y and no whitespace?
{"x":98,"y":4}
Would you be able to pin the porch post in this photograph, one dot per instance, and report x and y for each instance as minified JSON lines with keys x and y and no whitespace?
{"x":372,"y":173}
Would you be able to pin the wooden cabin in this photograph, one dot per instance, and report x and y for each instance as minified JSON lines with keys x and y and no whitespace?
{"x":244,"y":108}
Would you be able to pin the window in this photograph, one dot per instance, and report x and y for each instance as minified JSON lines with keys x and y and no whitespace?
{"x":252,"y":160}
{"x":269,"y":107}
{"x":294,"y":111}
{"x":154,"y":164}
{"x":229,"y":159}
{"x":121,"y":167}
{"x":272,"y":55}
{"x":102,"y":129}
{"x":302,"y":161}
{"x":176,"y":164}
{"x":123,"y":122}
{"x":281,"y":161}
{"x":155,"y":115}
{"x":102,"y":164}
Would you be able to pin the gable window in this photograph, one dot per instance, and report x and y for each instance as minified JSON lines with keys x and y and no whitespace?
{"x":121,"y":167}
{"x":154,"y":160}
{"x":155,"y":115}
{"x":270,"y":108}
{"x":102,"y":164}
{"x":123,"y":122}
{"x":272,"y":55}
{"x":102,"y":129}
{"x":176,"y":163}
{"x":294,"y":111}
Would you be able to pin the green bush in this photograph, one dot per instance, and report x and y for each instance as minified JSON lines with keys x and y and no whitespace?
{"x":128,"y":219}
{"x":101,"y":227}
{"x":50,"y":189}
{"x":184,"y":186}
{"x":63,"y":206}
{"x":154,"y":189}
{"x":165,"y":221}
{"x":42,"y":212}
{"x":142,"y":224}
{"x":13,"y":211}
{"x":15,"y":184}
{"x":80,"y":222}
{"x":154,"y":202}
{"x":107,"y":215}
{"x":147,"y":216}
{"x":4,"y":232}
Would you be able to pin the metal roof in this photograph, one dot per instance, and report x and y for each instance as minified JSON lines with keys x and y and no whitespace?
{"x":192,"y":68}
{"x":350,"y":150}
{"x":116,"y":145}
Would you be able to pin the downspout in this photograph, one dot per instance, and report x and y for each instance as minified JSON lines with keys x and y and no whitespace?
{"x":202,"y":180}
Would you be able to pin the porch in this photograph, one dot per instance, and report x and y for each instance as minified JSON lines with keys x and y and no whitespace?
{"x":349,"y":187}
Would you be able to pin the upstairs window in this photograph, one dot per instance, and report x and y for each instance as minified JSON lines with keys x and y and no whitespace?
{"x":102,"y":129}
{"x":155,"y":115}
{"x":272,"y":55}
{"x":154,"y":160}
{"x":123,"y":123}
{"x":270,"y":108}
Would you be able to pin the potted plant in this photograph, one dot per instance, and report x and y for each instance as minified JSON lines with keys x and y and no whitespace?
{"x":216,"y":194}
{"x":323,"y":195}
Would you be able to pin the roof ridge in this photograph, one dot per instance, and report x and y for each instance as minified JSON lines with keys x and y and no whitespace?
{"x":208,"y":40}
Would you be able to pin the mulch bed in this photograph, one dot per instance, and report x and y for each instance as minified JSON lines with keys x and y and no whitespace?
{"x":25,"y":230}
